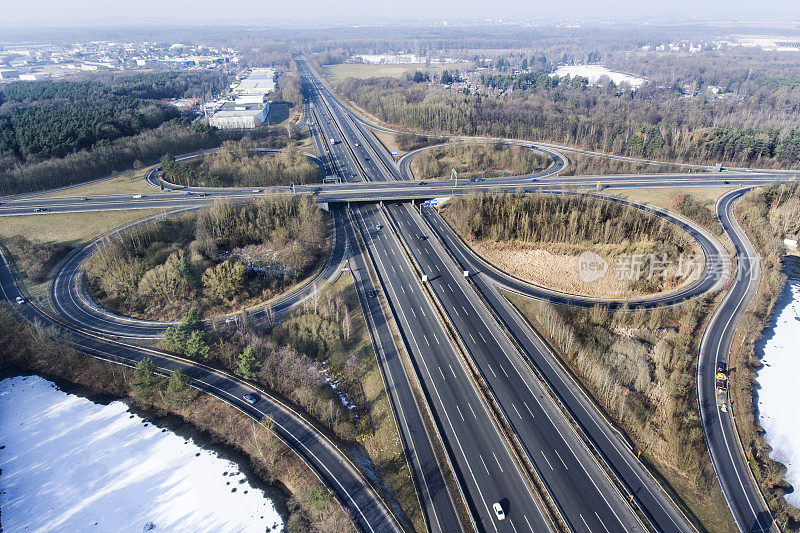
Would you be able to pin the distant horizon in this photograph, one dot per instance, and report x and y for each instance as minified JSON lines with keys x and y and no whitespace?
{"x":108,"y":14}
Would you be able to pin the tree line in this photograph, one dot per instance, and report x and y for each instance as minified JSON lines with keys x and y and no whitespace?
{"x":549,"y":218}
{"x":105,"y":159}
{"x":224,"y":257}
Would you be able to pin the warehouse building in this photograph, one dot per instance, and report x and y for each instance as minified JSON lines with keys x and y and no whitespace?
{"x":258,"y":83}
{"x":233,"y":115}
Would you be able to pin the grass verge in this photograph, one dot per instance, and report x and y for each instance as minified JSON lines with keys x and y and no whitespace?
{"x":130,"y":182}
{"x":72,"y":229}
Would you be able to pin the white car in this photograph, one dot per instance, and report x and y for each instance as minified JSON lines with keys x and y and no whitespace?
{"x":137,"y":196}
{"x":20,"y":300}
{"x":255,"y":191}
{"x":251,"y":398}
{"x":498,"y":511}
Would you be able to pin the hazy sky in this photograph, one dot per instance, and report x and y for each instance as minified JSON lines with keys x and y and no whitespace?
{"x":115,"y":12}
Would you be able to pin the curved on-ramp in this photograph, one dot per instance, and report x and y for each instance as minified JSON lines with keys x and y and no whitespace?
{"x":70,"y":299}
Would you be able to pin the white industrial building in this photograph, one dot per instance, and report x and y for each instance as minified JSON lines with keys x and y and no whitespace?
{"x":233,"y":115}
{"x":259,"y":82}
{"x":250,"y":107}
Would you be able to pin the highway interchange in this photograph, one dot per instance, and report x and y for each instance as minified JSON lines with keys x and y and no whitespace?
{"x":515,"y":427}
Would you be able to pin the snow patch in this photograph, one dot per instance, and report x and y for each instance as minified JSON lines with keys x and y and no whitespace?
{"x":69,"y":464}
{"x":594,"y":72}
{"x":778,"y":377}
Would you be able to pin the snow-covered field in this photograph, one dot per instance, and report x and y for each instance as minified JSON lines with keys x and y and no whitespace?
{"x":778,"y":378}
{"x":594,"y":72}
{"x":69,"y":464}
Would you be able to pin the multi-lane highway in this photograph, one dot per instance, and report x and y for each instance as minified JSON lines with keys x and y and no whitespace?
{"x":486,"y":470}
{"x":516,"y":429}
{"x":657,"y":508}
{"x":557,"y":455}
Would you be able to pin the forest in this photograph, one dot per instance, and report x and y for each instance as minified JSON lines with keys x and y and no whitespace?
{"x":56,"y":133}
{"x":44,"y":119}
{"x":652,"y":122}
{"x":477,"y":161}
{"x":240,"y":163}
{"x":223,"y":258}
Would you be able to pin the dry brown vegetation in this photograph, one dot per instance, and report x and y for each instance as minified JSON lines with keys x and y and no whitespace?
{"x":640,"y":367}
{"x":42,"y":350}
{"x":35,"y":259}
{"x":477,"y":161}
{"x":225,"y":257}
{"x":767,"y":214}
{"x":538,"y":238}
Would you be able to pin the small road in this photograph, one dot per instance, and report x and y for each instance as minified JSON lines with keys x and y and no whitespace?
{"x":743,"y":495}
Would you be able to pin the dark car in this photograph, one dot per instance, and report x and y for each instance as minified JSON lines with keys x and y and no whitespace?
{"x":250,"y":398}
{"x":371,"y":293}
{"x":40,"y":210}
{"x":422,"y":183}
{"x":423,"y":237}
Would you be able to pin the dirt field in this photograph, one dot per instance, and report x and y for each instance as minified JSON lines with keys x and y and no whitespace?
{"x":556,"y":267}
{"x":336,"y":73}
